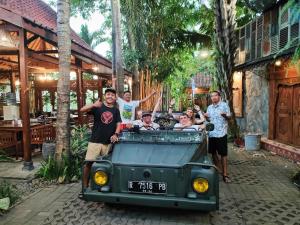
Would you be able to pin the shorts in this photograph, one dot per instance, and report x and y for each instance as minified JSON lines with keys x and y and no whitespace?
{"x":218,"y":144}
{"x":96,"y":149}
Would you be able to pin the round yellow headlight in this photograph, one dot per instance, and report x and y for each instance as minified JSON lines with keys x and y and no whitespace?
{"x":100,"y":178}
{"x":200,"y":185}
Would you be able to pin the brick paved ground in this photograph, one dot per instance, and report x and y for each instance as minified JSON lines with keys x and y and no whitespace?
{"x":260,"y":193}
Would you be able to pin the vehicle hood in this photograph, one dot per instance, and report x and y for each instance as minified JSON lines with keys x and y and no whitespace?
{"x":154,"y":154}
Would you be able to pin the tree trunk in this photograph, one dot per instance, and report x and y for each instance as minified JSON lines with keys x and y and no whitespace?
{"x":132,"y":45}
{"x":117,"y":62}
{"x":225,"y":12}
{"x":63,"y":85}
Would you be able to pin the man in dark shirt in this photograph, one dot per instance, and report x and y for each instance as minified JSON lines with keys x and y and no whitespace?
{"x":106,"y":129}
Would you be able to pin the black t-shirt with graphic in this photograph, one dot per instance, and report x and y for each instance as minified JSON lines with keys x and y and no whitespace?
{"x":105,"y":123}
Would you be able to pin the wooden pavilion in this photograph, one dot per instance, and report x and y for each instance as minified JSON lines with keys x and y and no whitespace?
{"x":28,"y":51}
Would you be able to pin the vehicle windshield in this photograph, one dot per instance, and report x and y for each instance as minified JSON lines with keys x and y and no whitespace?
{"x":163,"y":136}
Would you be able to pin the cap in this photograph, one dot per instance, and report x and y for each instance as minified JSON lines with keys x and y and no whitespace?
{"x":146,"y":114}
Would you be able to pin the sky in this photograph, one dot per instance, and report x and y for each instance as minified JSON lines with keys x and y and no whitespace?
{"x":94,"y":22}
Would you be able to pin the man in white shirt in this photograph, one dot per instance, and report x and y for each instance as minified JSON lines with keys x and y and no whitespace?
{"x":219,"y":114}
{"x":127,"y":106}
{"x":146,"y":123}
{"x":185,"y":124}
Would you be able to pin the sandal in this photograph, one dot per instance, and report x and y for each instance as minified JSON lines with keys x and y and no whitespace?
{"x":226,"y":179}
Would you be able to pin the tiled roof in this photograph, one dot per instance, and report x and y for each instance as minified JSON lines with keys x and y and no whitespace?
{"x":201,"y":81}
{"x":40,"y":13}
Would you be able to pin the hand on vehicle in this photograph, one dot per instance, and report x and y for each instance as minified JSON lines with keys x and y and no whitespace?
{"x":114,"y":138}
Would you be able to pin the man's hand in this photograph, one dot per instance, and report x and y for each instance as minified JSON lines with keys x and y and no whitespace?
{"x":206,"y":115}
{"x":114,"y":138}
{"x":153,"y":93}
{"x":97,"y":103}
{"x":224,"y":114}
{"x":197,"y":108}
{"x":172,"y":102}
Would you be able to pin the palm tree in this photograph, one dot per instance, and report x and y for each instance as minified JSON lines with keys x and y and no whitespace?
{"x":117,"y":61}
{"x":225,"y":19}
{"x":91,"y":38}
{"x":63,"y":85}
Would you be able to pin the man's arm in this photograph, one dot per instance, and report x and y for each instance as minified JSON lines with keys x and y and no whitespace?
{"x":226,"y":114}
{"x":156,"y":108}
{"x":89,"y":107}
{"x":149,"y":96}
{"x":171,"y":105}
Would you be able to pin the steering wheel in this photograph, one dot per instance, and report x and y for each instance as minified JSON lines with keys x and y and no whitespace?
{"x":165,"y":123}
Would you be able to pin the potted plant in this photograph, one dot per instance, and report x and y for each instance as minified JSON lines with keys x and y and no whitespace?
{"x":238,"y":139}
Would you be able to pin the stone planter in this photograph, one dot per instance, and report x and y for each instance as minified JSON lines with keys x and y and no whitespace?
{"x":48,"y":149}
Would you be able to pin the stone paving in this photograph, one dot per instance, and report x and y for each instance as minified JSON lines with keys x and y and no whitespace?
{"x":260,"y":193}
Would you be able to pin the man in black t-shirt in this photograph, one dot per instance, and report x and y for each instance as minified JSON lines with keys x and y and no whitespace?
{"x":106,"y":129}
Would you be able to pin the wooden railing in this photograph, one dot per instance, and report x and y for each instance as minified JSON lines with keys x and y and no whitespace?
{"x":42,"y":133}
{"x":8,"y":139}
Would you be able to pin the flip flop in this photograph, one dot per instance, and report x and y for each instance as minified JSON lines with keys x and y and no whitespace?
{"x":226,"y":179}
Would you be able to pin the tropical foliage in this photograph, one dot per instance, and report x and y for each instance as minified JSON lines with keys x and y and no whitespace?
{"x":8,"y":190}
{"x":91,"y":38}
{"x":69,"y":169}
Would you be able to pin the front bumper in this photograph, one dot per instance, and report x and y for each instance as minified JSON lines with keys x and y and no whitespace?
{"x":210,"y":204}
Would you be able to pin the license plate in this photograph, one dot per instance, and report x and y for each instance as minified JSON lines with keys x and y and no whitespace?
{"x":147,"y":187}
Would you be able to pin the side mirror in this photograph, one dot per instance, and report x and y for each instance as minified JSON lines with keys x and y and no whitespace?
{"x":209,"y":127}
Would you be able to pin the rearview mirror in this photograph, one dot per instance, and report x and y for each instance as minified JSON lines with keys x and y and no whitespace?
{"x":209,"y":127}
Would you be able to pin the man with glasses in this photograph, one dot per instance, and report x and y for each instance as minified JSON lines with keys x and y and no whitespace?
{"x":218,"y":113}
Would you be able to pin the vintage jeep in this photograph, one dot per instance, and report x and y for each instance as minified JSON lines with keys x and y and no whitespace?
{"x":163,"y":168}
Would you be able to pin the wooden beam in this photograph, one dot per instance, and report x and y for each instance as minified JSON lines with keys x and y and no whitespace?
{"x":9,"y":27}
{"x":10,"y":17}
{"x":13,"y":82}
{"x":29,"y":40}
{"x":47,"y":52}
{"x":9,"y":52}
{"x":100,"y":89}
{"x":45,"y":58}
{"x":50,"y":36}
{"x":24,"y":97}
{"x":79,"y":89}
{"x":8,"y":61}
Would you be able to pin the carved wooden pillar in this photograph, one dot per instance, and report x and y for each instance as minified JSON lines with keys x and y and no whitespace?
{"x":24,"y":100}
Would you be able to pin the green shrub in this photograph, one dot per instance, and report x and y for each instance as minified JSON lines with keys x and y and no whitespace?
{"x":8,"y":190}
{"x":296,"y":178}
{"x":69,"y":169}
{"x":4,"y":157}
